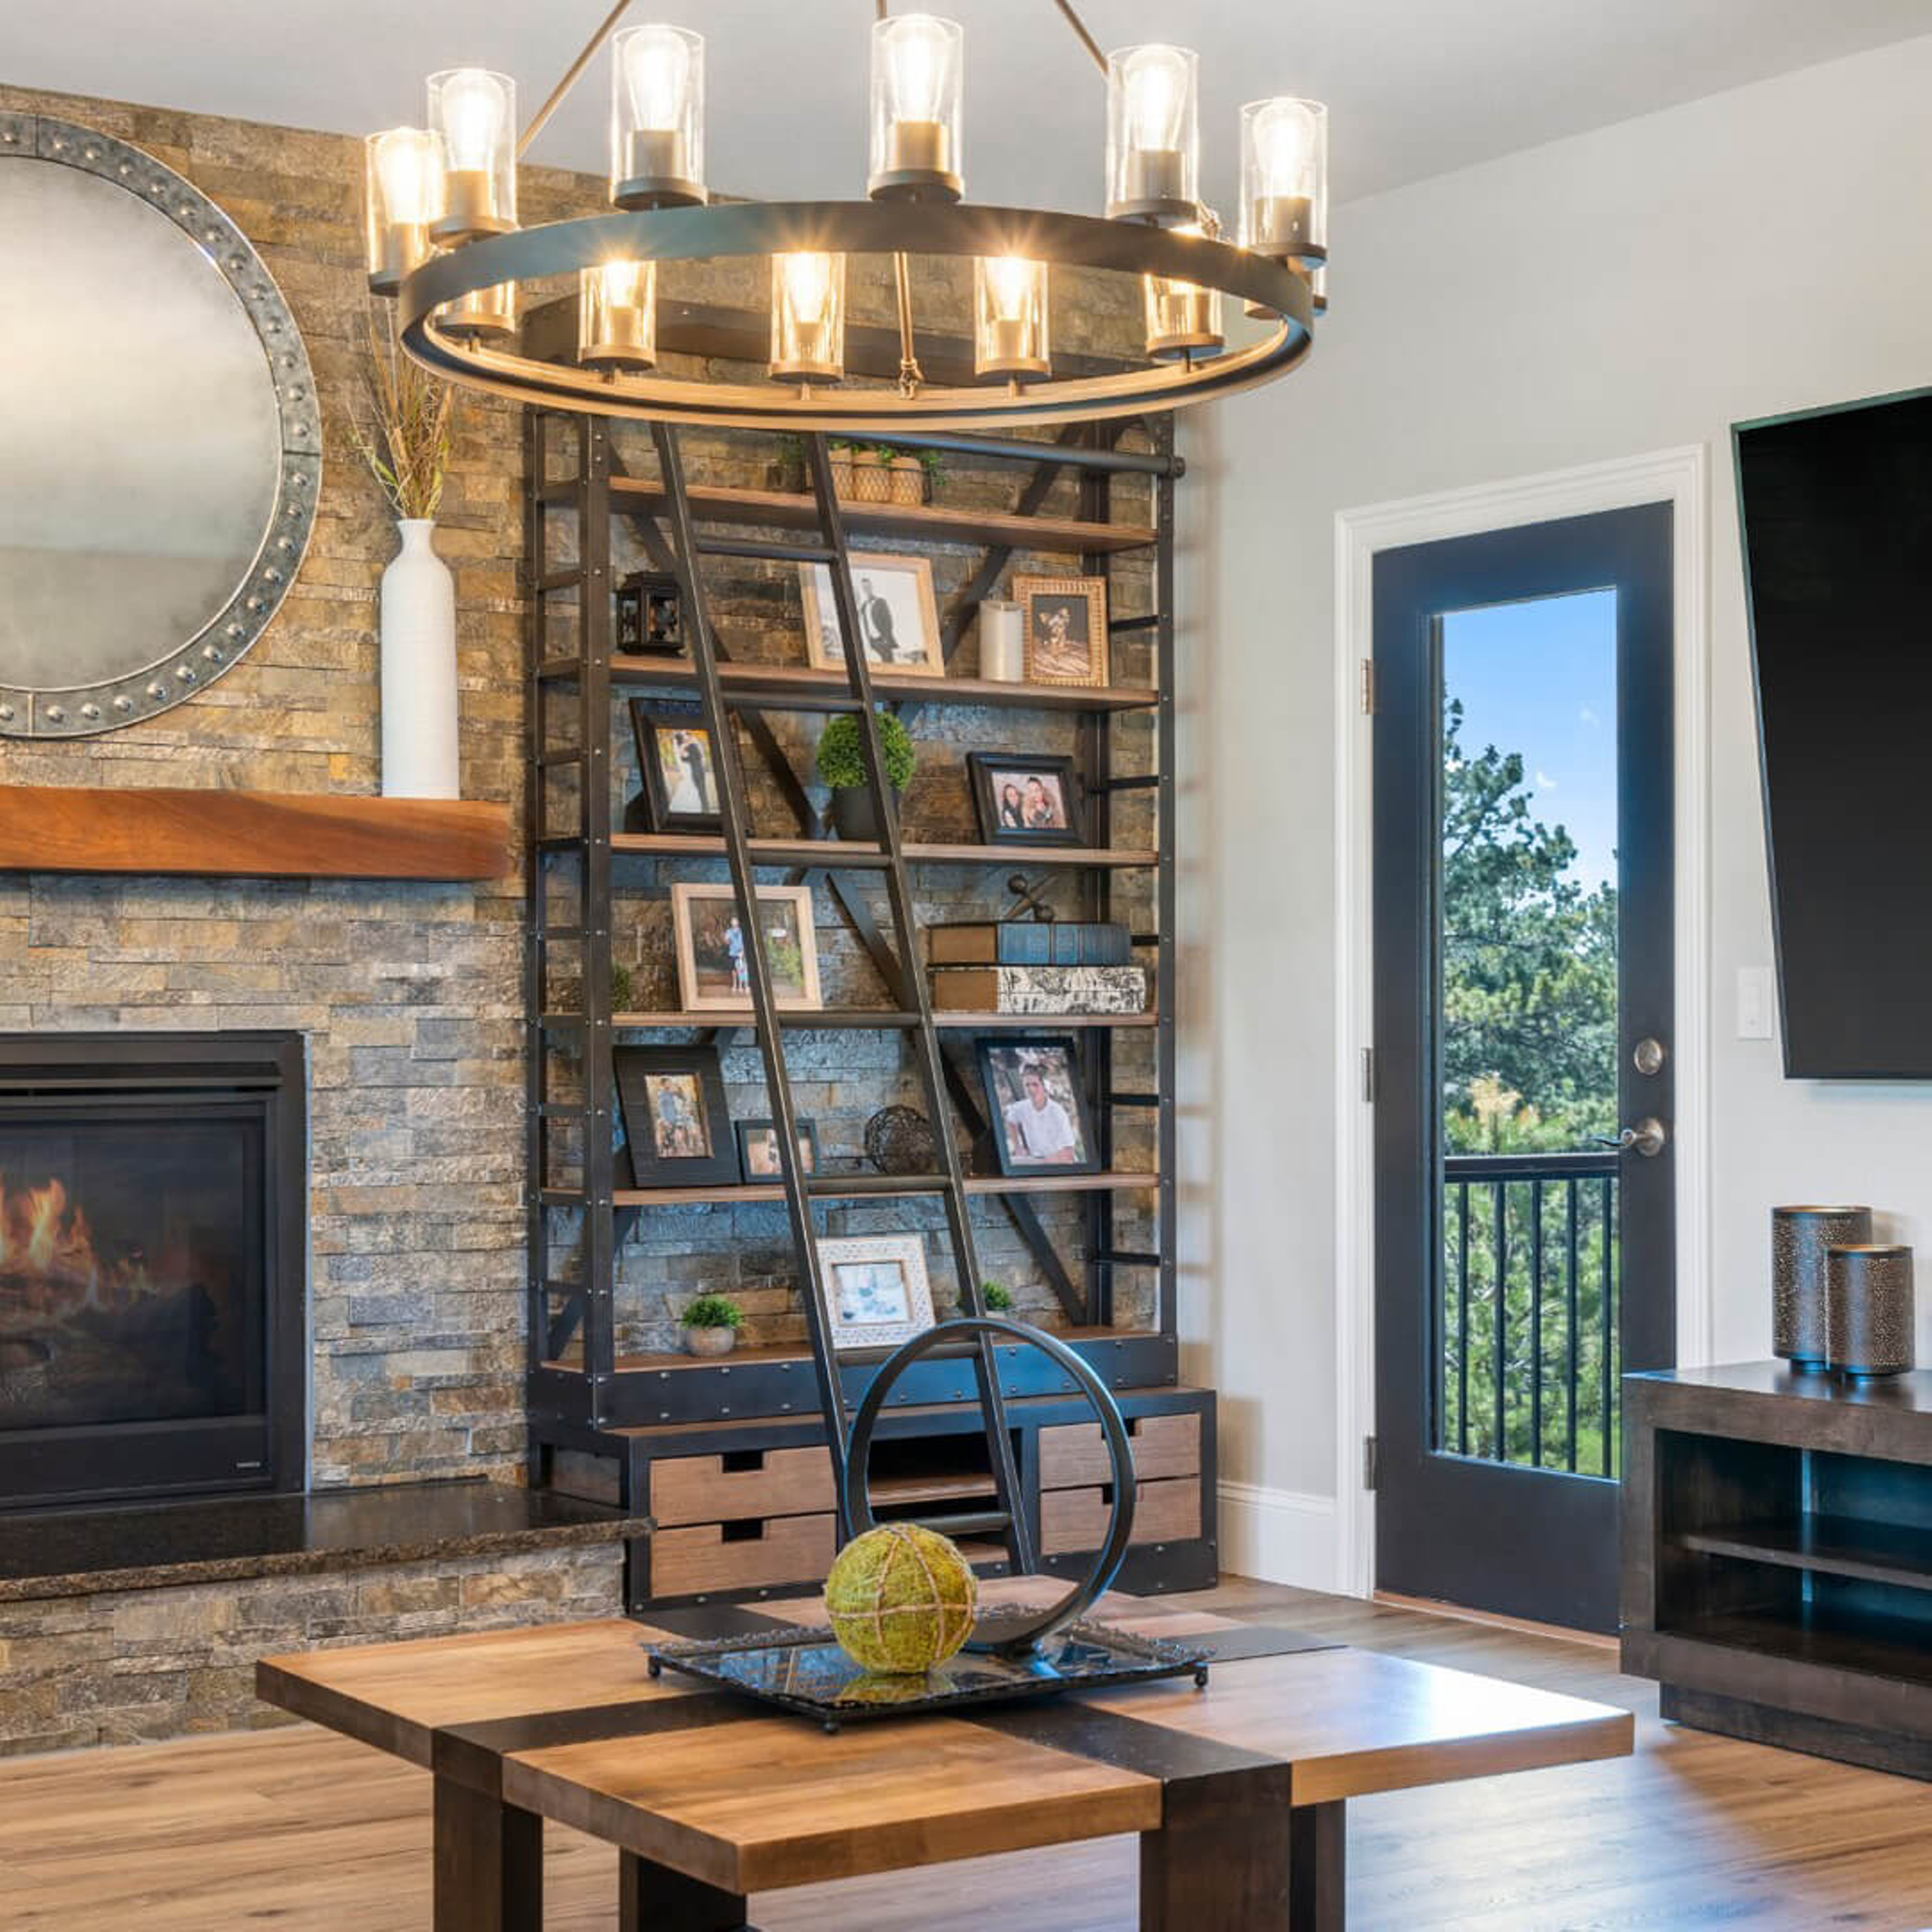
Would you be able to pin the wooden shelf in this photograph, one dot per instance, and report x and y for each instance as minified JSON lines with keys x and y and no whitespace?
{"x":933,"y":522}
{"x":146,"y":829}
{"x":833,"y":854}
{"x":1835,"y":1546}
{"x":900,"y":1492}
{"x":779,"y":1352}
{"x":804,"y":681}
{"x":734,"y":1193}
{"x":1866,"y":1643}
{"x":863,"y":1018}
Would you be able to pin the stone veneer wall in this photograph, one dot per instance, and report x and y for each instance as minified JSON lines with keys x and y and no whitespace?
{"x":124,"y":1666}
{"x":411,"y":996}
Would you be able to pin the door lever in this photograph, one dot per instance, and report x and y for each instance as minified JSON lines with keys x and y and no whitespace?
{"x":1647,"y":1137}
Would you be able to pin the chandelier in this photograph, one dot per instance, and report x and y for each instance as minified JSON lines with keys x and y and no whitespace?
{"x":443,"y":238}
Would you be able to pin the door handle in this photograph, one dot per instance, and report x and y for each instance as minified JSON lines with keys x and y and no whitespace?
{"x":1649,"y":1137}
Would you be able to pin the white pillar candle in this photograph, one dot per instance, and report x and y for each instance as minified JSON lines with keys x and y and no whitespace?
{"x":1002,"y":643}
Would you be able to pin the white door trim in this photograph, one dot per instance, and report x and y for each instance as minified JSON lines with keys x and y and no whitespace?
{"x":1680,"y":478}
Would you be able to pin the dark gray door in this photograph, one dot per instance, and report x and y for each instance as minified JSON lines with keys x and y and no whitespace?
{"x":1523,"y":995}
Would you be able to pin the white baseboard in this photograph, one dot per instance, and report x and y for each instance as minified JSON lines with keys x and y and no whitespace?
{"x":1278,"y":1536}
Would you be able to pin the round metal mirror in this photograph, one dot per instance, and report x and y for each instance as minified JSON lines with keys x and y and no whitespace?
{"x":159,"y":444}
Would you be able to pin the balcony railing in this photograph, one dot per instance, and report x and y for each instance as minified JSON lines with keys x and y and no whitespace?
{"x":1528,"y":1362}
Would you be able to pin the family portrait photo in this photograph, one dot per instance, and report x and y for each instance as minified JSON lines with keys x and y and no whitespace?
{"x":677,"y":1125}
{"x":677,"y":1117}
{"x":1027,"y":799}
{"x":1066,"y":619}
{"x":876,"y":1289}
{"x":758,"y":1149}
{"x":899,"y":620}
{"x":713,"y":941}
{"x":679,"y":768}
{"x":1039,"y":1114}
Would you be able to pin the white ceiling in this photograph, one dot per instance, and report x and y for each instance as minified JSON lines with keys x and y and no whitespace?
{"x":1416,"y":88}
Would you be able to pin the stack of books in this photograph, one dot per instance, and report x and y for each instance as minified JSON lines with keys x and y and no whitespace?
{"x":1046,"y":968}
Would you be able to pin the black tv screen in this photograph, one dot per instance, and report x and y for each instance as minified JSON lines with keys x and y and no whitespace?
{"x":1836,"y":508}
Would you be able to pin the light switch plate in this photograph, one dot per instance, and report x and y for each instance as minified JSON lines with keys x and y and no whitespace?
{"x":1755,"y":1003}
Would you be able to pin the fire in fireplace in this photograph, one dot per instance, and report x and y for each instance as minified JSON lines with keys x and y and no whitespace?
{"x":152,"y":1264}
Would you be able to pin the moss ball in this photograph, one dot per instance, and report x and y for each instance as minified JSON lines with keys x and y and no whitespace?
{"x":900,"y":1599}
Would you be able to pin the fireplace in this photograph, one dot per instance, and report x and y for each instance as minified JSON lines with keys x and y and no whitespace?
{"x":153,"y":1266}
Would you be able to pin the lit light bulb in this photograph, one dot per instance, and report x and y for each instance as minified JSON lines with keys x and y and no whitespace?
{"x":657,"y":72}
{"x":622,"y":282}
{"x":1009,"y":285}
{"x":405,"y":158}
{"x":1010,"y":327}
{"x":475,"y":110}
{"x":1285,"y":179}
{"x":808,"y":279}
{"x":1285,"y":142}
{"x":917,"y":51}
{"x":1155,"y":81}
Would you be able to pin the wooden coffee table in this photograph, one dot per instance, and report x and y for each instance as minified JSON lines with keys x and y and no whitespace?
{"x":1236,"y":1791}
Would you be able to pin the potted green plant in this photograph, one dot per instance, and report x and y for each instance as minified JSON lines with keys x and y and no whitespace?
{"x":788,"y":472}
{"x":842,"y":764}
{"x":997,"y":1297}
{"x":711,"y":1324}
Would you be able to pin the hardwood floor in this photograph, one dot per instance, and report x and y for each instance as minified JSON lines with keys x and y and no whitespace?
{"x":310,"y":1833}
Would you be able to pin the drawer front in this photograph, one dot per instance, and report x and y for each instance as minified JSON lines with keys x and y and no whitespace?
{"x":1075,"y":1456}
{"x":783,"y":1482}
{"x":1076,"y":1519}
{"x":786,"y":1550}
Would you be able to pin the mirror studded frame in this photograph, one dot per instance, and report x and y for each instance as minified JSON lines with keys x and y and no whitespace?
{"x":176,"y":670}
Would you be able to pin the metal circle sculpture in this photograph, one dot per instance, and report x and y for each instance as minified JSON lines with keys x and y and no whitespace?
{"x":1268,"y":289}
{"x":1022,"y":1633}
{"x":899,"y":1140}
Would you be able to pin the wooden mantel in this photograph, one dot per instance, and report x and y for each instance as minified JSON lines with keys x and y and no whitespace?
{"x":150,"y":829}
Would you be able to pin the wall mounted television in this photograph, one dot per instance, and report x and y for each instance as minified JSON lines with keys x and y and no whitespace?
{"x":1836,"y":507}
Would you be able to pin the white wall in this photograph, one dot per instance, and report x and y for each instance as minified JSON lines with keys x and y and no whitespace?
{"x":1634,"y":289}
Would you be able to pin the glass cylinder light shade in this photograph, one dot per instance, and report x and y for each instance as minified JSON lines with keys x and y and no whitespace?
{"x":403,"y":196}
{"x":472,"y":113}
{"x":809,"y":317}
{"x":1285,"y":180}
{"x":657,"y":117}
{"x":617,"y":315}
{"x":1183,"y":319}
{"x":490,"y":311}
{"x":1010,"y":317}
{"x":1154,"y":134}
{"x":918,"y":70}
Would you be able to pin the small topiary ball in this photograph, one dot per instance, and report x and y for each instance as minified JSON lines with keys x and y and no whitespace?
{"x":900,"y":1599}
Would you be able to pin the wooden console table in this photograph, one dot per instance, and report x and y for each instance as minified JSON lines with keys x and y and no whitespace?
{"x":1236,"y":1791}
{"x":1777,"y":1557}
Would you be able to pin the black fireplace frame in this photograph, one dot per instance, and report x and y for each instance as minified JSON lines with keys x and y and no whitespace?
{"x":266,"y":1451}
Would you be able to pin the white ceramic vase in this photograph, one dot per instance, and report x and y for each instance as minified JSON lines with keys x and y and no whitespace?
{"x":419,"y":615}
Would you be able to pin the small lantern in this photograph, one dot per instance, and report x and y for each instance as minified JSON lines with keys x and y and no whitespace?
{"x":1154,"y":135}
{"x":809,"y":317}
{"x":1285,"y":180}
{"x":490,"y":311}
{"x":650,"y":613}
{"x":1183,"y":319}
{"x":403,"y":195}
{"x":918,"y":70}
{"x":657,"y":117}
{"x":617,"y":315}
{"x":472,"y":113}
{"x":1010,"y":317}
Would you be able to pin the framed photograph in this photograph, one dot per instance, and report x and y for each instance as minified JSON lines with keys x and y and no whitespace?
{"x":1066,"y":621}
{"x":678,"y":765}
{"x":876,"y":1291}
{"x":713,"y":975}
{"x":1037,"y":1104}
{"x":758,"y":1149}
{"x":677,"y":1128}
{"x":897,"y":618}
{"x":1026,"y":798}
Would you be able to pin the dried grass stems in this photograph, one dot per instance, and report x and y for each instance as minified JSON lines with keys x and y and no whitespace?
{"x":406,"y":445}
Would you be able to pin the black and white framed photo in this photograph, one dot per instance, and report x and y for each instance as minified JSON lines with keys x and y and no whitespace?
{"x":877,"y":1294}
{"x":678,"y":764}
{"x":1066,"y":620}
{"x":1026,"y":798}
{"x":677,"y":1127}
{"x":758,"y":1149}
{"x":898,"y":619}
{"x":711,"y":940}
{"x":1037,"y":1104}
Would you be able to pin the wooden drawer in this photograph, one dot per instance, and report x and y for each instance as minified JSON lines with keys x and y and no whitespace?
{"x":1076,"y":1519}
{"x":728,"y":1556}
{"x":759,"y":1482}
{"x":1075,"y":1456}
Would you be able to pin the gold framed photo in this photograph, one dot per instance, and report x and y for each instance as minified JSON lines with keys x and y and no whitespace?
{"x":1066,"y":619}
{"x":899,"y":618}
{"x":711,"y":942}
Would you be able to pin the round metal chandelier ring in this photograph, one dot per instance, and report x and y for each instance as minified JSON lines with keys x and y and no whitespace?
{"x":750,"y":229}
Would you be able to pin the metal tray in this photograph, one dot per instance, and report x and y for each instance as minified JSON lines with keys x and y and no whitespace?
{"x":805,"y":1671}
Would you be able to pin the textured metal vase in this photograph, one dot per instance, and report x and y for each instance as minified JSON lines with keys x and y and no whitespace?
{"x":1869,"y":1314}
{"x":1799,"y":1238}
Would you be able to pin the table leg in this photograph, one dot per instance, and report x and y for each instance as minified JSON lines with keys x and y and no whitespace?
{"x":654,"y":1898}
{"x":1317,"y":1863}
{"x":1222,"y":1859}
{"x":489,"y":1863}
